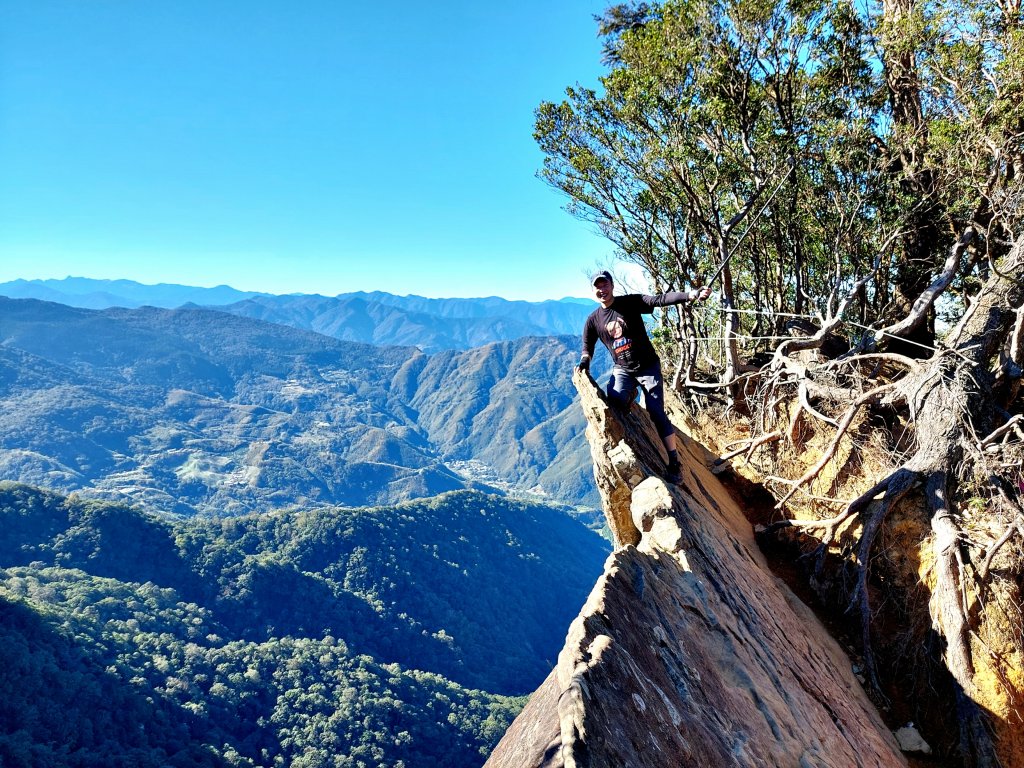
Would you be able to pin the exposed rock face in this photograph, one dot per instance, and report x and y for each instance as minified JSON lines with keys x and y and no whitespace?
{"x":688,"y":651}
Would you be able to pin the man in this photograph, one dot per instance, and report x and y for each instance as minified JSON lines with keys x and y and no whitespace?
{"x":619,"y":324}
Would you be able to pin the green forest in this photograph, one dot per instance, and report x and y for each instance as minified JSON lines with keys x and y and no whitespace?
{"x":399,"y":636}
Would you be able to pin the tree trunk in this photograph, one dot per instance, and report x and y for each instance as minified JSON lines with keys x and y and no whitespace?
{"x":921,"y":239}
{"x":953,"y":405}
{"x":730,"y":327}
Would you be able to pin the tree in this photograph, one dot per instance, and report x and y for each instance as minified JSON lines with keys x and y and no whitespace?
{"x":697,"y":134}
{"x":861,"y":170}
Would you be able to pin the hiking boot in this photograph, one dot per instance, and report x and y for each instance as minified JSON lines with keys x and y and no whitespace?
{"x":673,"y":474}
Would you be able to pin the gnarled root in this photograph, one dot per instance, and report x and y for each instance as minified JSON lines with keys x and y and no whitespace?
{"x":961,"y":436}
{"x":948,"y":610}
{"x":895,"y":487}
{"x":872,"y":396}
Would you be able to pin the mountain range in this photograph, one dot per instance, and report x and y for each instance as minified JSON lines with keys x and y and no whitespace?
{"x":373,"y":318}
{"x":381,"y":635}
{"x":200,"y":411}
{"x":90,"y":293}
{"x":344,"y":577}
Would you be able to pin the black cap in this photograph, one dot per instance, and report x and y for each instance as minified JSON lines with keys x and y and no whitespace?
{"x":604,"y":274}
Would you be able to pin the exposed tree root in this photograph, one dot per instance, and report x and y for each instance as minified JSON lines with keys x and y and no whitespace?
{"x":894,"y":487}
{"x":976,"y":746}
{"x":959,"y":443}
{"x":868,"y":397}
{"x":806,"y":404}
{"x":750,"y":446}
{"x":1016,"y":526}
{"x":891,"y":357}
{"x":1012,"y":424}
{"x":948,"y":609}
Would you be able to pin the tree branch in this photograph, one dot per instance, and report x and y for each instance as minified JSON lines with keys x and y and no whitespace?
{"x":923,"y":303}
{"x":868,"y":397}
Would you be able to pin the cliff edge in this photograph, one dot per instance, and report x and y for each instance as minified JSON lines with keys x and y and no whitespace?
{"x":688,"y":651}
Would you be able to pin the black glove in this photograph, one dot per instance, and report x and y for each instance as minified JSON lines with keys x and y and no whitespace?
{"x":583,"y":364}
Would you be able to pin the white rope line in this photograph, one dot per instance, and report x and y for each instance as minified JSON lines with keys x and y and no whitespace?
{"x":740,"y":336}
{"x":807,"y":317}
{"x":880,"y":330}
{"x":761,"y":312}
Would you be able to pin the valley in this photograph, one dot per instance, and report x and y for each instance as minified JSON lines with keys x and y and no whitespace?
{"x":232,"y":542}
{"x":196,"y":411}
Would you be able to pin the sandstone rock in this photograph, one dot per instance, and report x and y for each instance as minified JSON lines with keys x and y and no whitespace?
{"x":689,"y":651}
{"x":910,"y":740}
{"x":535,"y":737}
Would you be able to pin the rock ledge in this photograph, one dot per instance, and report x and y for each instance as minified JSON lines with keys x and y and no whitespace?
{"x":688,"y":651}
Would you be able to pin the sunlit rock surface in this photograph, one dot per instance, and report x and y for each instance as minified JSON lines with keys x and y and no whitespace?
{"x":688,"y":651}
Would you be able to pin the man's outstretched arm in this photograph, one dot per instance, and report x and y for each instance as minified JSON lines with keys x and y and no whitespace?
{"x":678,"y":297}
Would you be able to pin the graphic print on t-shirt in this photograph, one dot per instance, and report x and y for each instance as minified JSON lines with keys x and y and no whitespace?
{"x":620,"y":345}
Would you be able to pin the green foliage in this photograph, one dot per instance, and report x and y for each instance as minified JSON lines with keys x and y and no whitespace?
{"x":287,"y":639}
{"x":99,"y":672}
{"x":706,"y":107}
{"x":827,"y":136}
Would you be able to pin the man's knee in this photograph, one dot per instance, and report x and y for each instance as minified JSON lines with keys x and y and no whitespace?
{"x":656,"y":408}
{"x":619,"y":399}
{"x":663,"y":425}
{"x":620,"y":392}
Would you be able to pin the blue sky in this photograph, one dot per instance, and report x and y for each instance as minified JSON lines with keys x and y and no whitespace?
{"x":315,"y":147}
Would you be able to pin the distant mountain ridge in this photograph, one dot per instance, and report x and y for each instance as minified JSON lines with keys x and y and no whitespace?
{"x":431,"y":325}
{"x":89,"y":293}
{"x":198,"y":411}
{"x":372,"y":318}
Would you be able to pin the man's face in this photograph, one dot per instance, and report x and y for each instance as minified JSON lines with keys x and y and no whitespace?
{"x":604,"y":291}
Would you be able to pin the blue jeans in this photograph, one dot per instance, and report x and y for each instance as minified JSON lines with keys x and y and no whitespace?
{"x":622,"y":390}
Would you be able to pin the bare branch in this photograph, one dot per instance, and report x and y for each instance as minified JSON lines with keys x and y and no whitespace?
{"x":830,"y":524}
{"x":750,"y":446}
{"x":1015,"y":526}
{"x":815,"y":341}
{"x":1008,"y":426}
{"x":806,"y":404}
{"x":927,"y":298}
{"x":868,"y":397}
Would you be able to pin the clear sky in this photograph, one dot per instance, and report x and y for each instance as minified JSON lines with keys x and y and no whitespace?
{"x":314,"y":147}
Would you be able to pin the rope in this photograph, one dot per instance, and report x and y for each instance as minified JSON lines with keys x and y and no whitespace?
{"x":742,"y":336}
{"x":807,"y":317}
{"x":761,"y":312}
{"x":907,"y":341}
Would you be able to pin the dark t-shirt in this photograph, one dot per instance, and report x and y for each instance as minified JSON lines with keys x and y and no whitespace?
{"x":621,"y":329}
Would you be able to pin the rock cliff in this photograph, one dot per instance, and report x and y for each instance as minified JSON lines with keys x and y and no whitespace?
{"x":688,"y":651}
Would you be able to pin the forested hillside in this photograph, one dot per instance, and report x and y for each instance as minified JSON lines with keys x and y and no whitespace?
{"x":363,"y":634}
{"x":193,"y":410}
